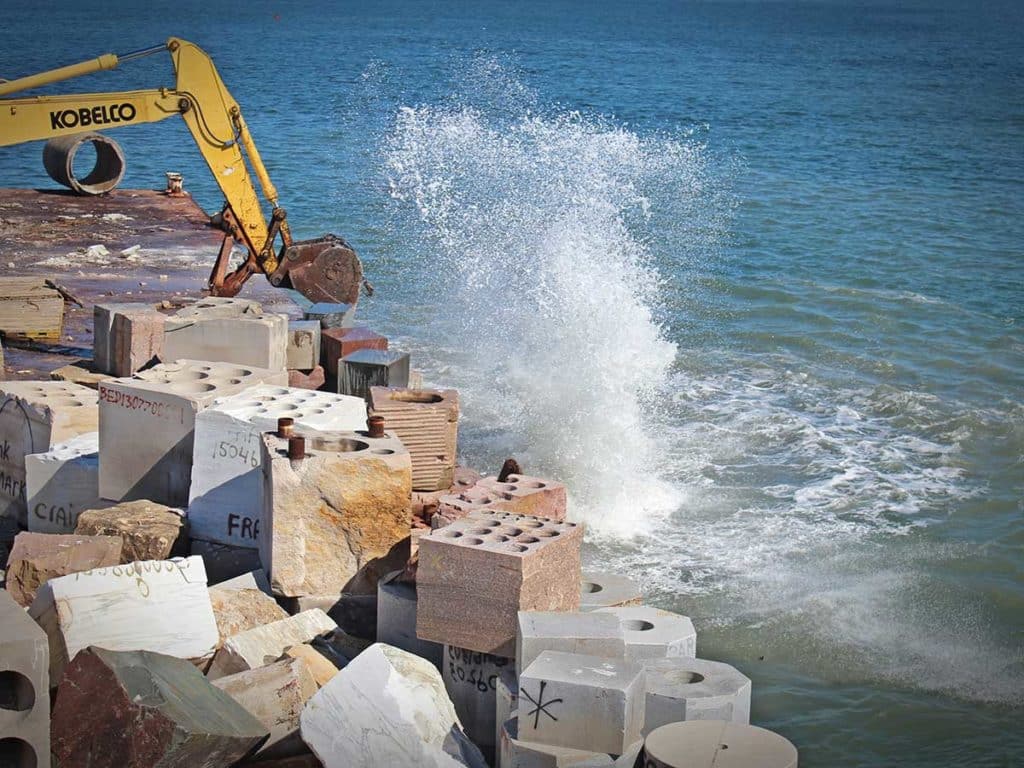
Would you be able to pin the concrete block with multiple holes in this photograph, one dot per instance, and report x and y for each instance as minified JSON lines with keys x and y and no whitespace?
{"x":651,"y":633}
{"x":608,"y":590}
{"x":471,"y":679}
{"x":24,"y":688}
{"x":582,"y":702}
{"x":62,"y":483}
{"x":147,"y":425}
{"x":152,"y":605}
{"x":366,"y":368}
{"x":396,"y":619}
{"x":226,"y":492}
{"x":592,"y":634}
{"x":34,"y":417}
{"x":103,"y":316}
{"x":303,"y":352}
{"x":716,"y":744}
{"x":521,"y":495}
{"x":475,"y":575}
{"x":337,"y":519}
{"x":249,"y":339}
{"x":516,"y":753}
{"x":694,"y":689}
{"x":336,"y":343}
{"x":427,"y":423}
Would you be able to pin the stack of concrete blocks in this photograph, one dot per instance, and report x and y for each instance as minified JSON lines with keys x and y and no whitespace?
{"x":681,"y":688}
{"x":34,"y":417}
{"x":153,"y":605}
{"x":338,"y":343}
{"x":227,"y":330}
{"x":147,"y":425}
{"x":338,"y":519}
{"x":519,"y":494}
{"x":226,"y":491}
{"x":427,"y":423}
{"x":363,"y":369}
{"x":716,"y":744}
{"x":396,"y":619}
{"x":62,"y":483}
{"x":24,"y":688}
{"x":651,"y":633}
{"x":608,"y":590}
{"x":126,"y":337}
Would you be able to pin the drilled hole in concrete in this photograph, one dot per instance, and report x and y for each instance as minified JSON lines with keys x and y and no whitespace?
{"x":282,"y":407}
{"x":528,"y":539}
{"x":535,"y":485}
{"x":517,"y":548}
{"x":589,"y":588}
{"x":451,"y":534}
{"x":317,"y":411}
{"x":530,"y":523}
{"x":472,"y":542}
{"x":684,"y":677}
{"x":16,"y":692}
{"x":195,"y":387}
{"x":514,"y":478}
{"x":636,"y":625}
{"x":238,"y":372}
{"x":479,"y":531}
{"x":491,"y":523}
{"x":416,"y":397}
{"x":499,"y":538}
{"x":338,"y":445}
{"x":68,"y":402}
{"x":278,"y":391}
{"x":382,"y":451}
{"x":507,"y":496}
{"x":510,"y":531}
{"x":547,"y":533}
{"x":252,"y":404}
{"x":17,"y":753}
{"x":234,"y":381}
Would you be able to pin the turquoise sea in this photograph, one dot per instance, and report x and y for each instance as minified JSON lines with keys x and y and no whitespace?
{"x":749,"y":276}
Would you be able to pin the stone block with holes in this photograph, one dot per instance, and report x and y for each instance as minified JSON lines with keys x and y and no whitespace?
{"x":34,"y":417}
{"x":396,"y":619}
{"x":366,"y":368}
{"x":517,"y":753}
{"x":303,"y":352}
{"x":427,"y":423}
{"x":103,"y":316}
{"x":62,"y":483}
{"x":338,"y":519}
{"x":525,"y":495}
{"x":717,"y":744}
{"x":147,"y":425}
{"x":24,"y":688}
{"x":582,"y":702}
{"x":591,"y":634}
{"x":152,"y":605}
{"x":254,"y":340}
{"x":337,"y":343}
{"x":471,"y":679}
{"x":475,"y":575}
{"x":608,"y":590}
{"x":226,"y":492}
{"x":652,"y":633}
{"x":694,"y":689}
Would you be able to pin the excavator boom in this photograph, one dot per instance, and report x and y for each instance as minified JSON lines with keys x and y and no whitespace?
{"x":325,"y":269}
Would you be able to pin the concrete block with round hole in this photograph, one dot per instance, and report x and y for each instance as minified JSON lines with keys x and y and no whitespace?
{"x":427,"y":423}
{"x":226,"y":492}
{"x":24,"y":688}
{"x":608,"y":590}
{"x":651,"y":633}
{"x":694,"y":689}
{"x":34,"y":417}
{"x":147,"y":425}
{"x":716,"y":744}
{"x":475,"y":575}
{"x":338,"y":519}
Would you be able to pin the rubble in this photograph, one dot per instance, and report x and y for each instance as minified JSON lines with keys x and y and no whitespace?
{"x":149,"y":531}
{"x":24,"y":688}
{"x":680,"y":689}
{"x":63,"y":482}
{"x":160,"y":606}
{"x":716,"y":744}
{"x":262,"y":644}
{"x":38,"y":557}
{"x":138,"y":709}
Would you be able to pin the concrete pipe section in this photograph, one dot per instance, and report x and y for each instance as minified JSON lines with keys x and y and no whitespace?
{"x":59,"y":161}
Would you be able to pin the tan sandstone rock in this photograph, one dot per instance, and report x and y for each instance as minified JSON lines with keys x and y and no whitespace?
{"x":149,"y":531}
{"x":238,"y":610}
{"x":38,"y":557}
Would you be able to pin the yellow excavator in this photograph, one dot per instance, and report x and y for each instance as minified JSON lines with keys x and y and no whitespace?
{"x":323,"y":269}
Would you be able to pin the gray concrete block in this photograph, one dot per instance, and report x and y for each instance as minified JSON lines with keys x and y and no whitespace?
{"x":582,"y":702}
{"x":590,"y":634}
{"x":608,"y":590}
{"x":103,"y":322}
{"x":651,"y":633}
{"x":471,"y":679}
{"x":506,"y":701}
{"x":716,"y":744}
{"x":331,"y":315}
{"x":694,"y":689}
{"x":515,"y":753}
{"x":62,"y":483}
{"x":365,"y":368}
{"x":24,"y":688}
{"x":258,"y":341}
{"x":303,"y":352}
{"x":396,"y":619}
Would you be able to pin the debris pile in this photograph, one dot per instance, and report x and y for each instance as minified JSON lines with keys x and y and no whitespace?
{"x":210,"y":567}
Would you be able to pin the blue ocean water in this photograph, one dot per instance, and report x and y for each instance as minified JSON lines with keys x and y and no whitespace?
{"x":748,"y":275}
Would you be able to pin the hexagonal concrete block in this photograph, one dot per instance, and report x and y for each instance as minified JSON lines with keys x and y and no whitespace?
{"x":694,"y":689}
{"x":651,"y":633}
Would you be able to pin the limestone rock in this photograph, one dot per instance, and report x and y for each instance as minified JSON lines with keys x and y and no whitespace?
{"x":264,"y":644}
{"x":149,"y":531}
{"x":136,"y":709}
{"x":238,"y":610}
{"x":337,"y":520}
{"x":319,"y":666}
{"x":38,"y":557}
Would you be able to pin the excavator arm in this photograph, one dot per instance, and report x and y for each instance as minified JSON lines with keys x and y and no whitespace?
{"x":325,"y":269}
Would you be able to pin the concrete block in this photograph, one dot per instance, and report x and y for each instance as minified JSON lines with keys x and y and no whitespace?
{"x":62,"y":483}
{"x":521,"y":495}
{"x":274,"y":695}
{"x":313,"y":379}
{"x":471,"y":679}
{"x":427,"y":423}
{"x":103,"y":324}
{"x":387,"y":708}
{"x":716,"y":744}
{"x":38,"y":557}
{"x":137,"y":340}
{"x":258,"y":341}
{"x":366,"y":368}
{"x":506,"y":700}
{"x":224,"y":562}
{"x":337,"y":343}
{"x":147,"y":425}
{"x":338,"y":519}
{"x":213,"y":307}
{"x":152,"y":605}
{"x":238,"y":610}
{"x":523,"y":754}
{"x":590,"y":634}
{"x":264,"y":644}
{"x":34,"y":417}
{"x":322,"y":669}
{"x":651,"y":633}
{"x":475,"y":575}
{"x":24,"y":688}
{"x":608,"y":590}
{"x":581,"y":702}
{"x":694,"y":689}
{"x":149,"y":531}
{"x":303,"y":352}
{"x":226,"y":493}
{"x":331,"y":315}
{"x":137,"y":709}
{"x":396,"y":619}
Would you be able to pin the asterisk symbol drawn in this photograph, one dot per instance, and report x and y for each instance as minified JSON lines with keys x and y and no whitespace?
{"x":540,"y":705}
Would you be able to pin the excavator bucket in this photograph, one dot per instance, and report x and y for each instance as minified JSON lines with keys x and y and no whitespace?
{"x":324,"y":269}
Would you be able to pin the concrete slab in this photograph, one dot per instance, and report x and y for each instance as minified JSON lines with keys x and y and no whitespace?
{"x":601,"y":589}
